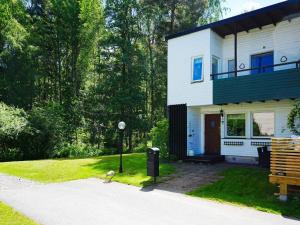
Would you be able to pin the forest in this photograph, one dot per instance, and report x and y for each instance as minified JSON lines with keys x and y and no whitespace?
{"x":70,"y":70}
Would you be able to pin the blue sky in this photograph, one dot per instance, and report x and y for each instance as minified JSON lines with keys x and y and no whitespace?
{"x":238,"y":6}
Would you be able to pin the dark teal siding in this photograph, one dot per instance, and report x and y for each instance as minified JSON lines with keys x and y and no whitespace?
{"x":282,"y":84}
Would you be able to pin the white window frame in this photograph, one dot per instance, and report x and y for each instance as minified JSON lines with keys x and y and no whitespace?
{"x":251,"y":125}
{"x":192,"y":74}
{"x":225,"y":125}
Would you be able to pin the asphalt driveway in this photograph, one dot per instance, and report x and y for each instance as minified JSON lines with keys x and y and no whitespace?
{"x":90,"y":201}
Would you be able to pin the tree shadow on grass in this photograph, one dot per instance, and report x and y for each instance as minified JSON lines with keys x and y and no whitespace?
{"x":134,"y":169}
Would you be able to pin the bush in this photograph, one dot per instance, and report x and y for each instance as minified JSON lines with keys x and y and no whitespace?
{"x":159,"y":135}
{"x":141,"y":147}
{"x":32,"y":135}
{"x":49,"y":132}
{"x":76,"y":151}
{"x":294,"y":119}
{"x":14,"y":126}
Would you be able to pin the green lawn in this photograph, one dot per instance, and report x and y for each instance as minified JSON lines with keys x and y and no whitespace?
{"x":47,"y":171}
{"x":9,"y":216}
{"x":248,"y":187}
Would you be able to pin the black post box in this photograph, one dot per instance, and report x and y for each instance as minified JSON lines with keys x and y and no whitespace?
{"x":153,"y":162}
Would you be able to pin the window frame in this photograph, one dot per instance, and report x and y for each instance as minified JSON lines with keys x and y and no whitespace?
{"x":260,"y":54}
{"x":219,"y":64}
{"x":225,"y":126}
{"x":251,"y":125}
{"x":202,"y":71}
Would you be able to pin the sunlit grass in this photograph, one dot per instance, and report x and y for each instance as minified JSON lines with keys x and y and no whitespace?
{"x":9,"y":216}
{"x":248,"y":187}
{"x":48,"y":171}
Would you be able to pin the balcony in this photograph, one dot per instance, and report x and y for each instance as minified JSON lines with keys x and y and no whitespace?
{"x":276,"y":82}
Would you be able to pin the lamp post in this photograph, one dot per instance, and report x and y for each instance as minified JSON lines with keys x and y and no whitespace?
{"x":121,"y":126}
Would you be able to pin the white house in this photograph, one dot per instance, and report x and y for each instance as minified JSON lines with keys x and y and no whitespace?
{"x":232,"y":83}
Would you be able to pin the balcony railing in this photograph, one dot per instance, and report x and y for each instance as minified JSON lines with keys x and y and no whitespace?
{"x":256,"y":70}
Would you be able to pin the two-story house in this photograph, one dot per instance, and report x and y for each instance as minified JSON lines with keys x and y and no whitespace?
{"x":232,"y":83}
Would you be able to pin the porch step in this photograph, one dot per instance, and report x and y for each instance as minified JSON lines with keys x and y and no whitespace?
{"x":205,"y":159}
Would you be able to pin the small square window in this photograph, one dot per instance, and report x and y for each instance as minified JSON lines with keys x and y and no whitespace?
{"x":197,"y":69}
{"x":236,"y":125}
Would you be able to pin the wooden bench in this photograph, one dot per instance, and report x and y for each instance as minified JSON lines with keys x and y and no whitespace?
{"x":285,"y":164}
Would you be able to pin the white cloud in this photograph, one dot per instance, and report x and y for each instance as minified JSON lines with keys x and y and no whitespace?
{"x":250,"y":6}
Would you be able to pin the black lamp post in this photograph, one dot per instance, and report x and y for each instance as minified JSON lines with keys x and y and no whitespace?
{"x":121,"y":126}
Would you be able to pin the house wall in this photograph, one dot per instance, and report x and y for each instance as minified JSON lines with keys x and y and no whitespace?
{"x":281,"y":110}
{"x":207,"y":43}
{"x":181,"y":50}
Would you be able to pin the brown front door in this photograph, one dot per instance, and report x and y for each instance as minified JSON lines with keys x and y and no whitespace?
{"x":212,"y":134}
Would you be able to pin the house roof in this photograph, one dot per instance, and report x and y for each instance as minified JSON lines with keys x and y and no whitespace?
{"x":255,"y":19}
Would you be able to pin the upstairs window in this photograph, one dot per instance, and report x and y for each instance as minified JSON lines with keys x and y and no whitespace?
{"x":261,"y":60}
{"x":197,"y":73}
{"x":263,"y":124}
{"x":215,"y":65}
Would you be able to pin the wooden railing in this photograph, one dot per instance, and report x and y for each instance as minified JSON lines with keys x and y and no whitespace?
{"x":285,"y":163}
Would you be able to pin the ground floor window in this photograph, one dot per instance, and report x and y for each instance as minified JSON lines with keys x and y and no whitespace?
{"x":236,"y":125}
{"x":263,"y":124}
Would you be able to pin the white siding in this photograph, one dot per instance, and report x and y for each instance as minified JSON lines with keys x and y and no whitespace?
{"x":284,"y":40}
{"x":180,"y":53}
{"x":216,"y":47}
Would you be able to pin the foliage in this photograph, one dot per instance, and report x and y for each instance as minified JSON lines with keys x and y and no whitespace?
{"x":14,"y":125}
{"x":293,"y":117}
{"x":63,"y":170}
{"x":159,"y":136}
{"x":31,"y":135}
{"x":77,"y":151}
{"x":9,"y":216}
{"x":50,"y":131}
{"x":13,"y":121}
{"x":141,"y":147}
{"x":98,"y":62}
{"x":249,"y":187}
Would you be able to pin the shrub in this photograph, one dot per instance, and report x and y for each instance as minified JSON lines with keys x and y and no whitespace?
{"x":32,"y":135}
{"x":294,"y":119}
{"x":49,"y":131}
{"x":159,"y":135}
{"x":141,"y":147}
{"x":76,"y":151}
{"x":14,"y":125}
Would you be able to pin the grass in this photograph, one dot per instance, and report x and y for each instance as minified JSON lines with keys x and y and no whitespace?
{"x":9,"y":216}
{"x":248,"y":187}
{"x":48,"y":171}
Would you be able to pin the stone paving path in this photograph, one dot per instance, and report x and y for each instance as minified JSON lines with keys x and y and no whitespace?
{"x":189,"y":176}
